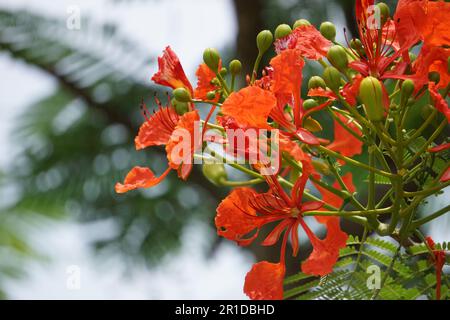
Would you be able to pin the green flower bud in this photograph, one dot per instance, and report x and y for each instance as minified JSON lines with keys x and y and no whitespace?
{"x":371,"y":94}
{"x":180,"y":107}
{"x":328,"y":30}
{"x":264,"y":40}
{"x":182,"y":95}
{"x":357,"y":45}
{"x":282,"y":31}
{"x":412,"y":57}
{"x":434,"y":76}
{"x":223,"y":72}
{"x":211,"y":57}
{"x":312,"y":125}
{"x":385,"y":12}
{"x":407,"y":90}
{"x":215,"y":81}
{"x":211,"y":95}
{"x":332,"y":78}
{"x":215,"y":172}
{"x":322,"y":167}
{"x":316,"y":82}
{"x":301,"y":23}
{"x":338,"y":57}
{"x":235,"y":67}
{"x":310,"y":103}
{"x":426,"y":111}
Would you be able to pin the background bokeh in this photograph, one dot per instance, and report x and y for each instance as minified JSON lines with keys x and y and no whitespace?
{"x":69,"y":110}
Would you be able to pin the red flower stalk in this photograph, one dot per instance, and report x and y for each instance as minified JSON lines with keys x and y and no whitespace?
{"x":439,"y":261}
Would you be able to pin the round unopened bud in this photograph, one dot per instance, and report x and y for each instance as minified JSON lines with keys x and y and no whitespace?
{"x":235,"y":67}
{"x":322,"y":167}
{"x":215,"y":81}
{"x":180,"y":107}
{"x":338,"y":57}
{"x":434,"y":76}
{"x":332,"y":78}
{"x":328,"y":30}
{"x":211,"y":57}
{"x":316,"y":82}
{"x":211,"y":95}
{"x":357,"y":45}
{"x":309,"y":104}
{"x":182,"y":95}
{"x":214,"y":172}
{"x":264,"y":40}
{"x":223,"y":72}
{"x":282,"y":31}
{"x":371,"y":94}
{"x":407,"y":90}
{"x":312,"y":125}
{"x":301,"y":23}
{"x":385,"y":12}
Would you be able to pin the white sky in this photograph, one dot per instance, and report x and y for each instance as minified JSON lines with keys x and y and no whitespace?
{"x":189,"y":27}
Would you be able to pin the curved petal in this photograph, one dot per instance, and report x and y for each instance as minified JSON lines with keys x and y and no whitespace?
{"x":183,"y":142}
{"x":325,"y":252}
{"x":307,"y":40}
{"x":250,"y":107}
{"x":157,"y":129}
{"x":439,"y":102}
{"x":140,"y":177}
{"x":204,"y":76}
{"x":235,"y":217}
{"x":265,"y":281}
{"x":345,"y":143}
{"x":171,"y":73}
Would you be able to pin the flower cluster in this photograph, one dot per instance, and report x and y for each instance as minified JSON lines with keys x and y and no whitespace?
{"x":368,"y":87}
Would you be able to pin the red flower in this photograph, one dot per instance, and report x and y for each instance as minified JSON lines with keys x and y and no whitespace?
{"x":244,"y":212}
{"x":446,"y":176}
{"x":307,"y":40}
{"x":345,"y":143}
{"x":164,"y":127}
{"x":204,"y":85}
{"x":439,"y":261}
{"x":423,"y":20}
{"x":376,"y":58}
{"x":171,"y":73}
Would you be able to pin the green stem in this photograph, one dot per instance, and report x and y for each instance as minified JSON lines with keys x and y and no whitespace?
{"x":228,"y":183}
{"x":436,"y":133}
{"x":424,"y":125}
{"x":427,"y":192}
{"x":417,"y":223}
{"x":223,"y":84}
{"x":256,"y":66}
{"x":356,"y":163}
{"x":348,"y":213}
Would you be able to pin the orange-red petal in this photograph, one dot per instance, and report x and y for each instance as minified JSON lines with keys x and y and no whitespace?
{"x":235,"y":217}
{"x":157,"y":129}
{"x":307,"y":40}
{"x":265,"y":281}
{"x":287,"y":72}
{"x":439,"y":102}
{"x":184,"y":141}
{"x":171,"y":73}
{"x":345,"y":143}
{"x":139,"y":177}
{"x":250,"y":107}
{"x":204,"y":77}
{"x":325,"y":252}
